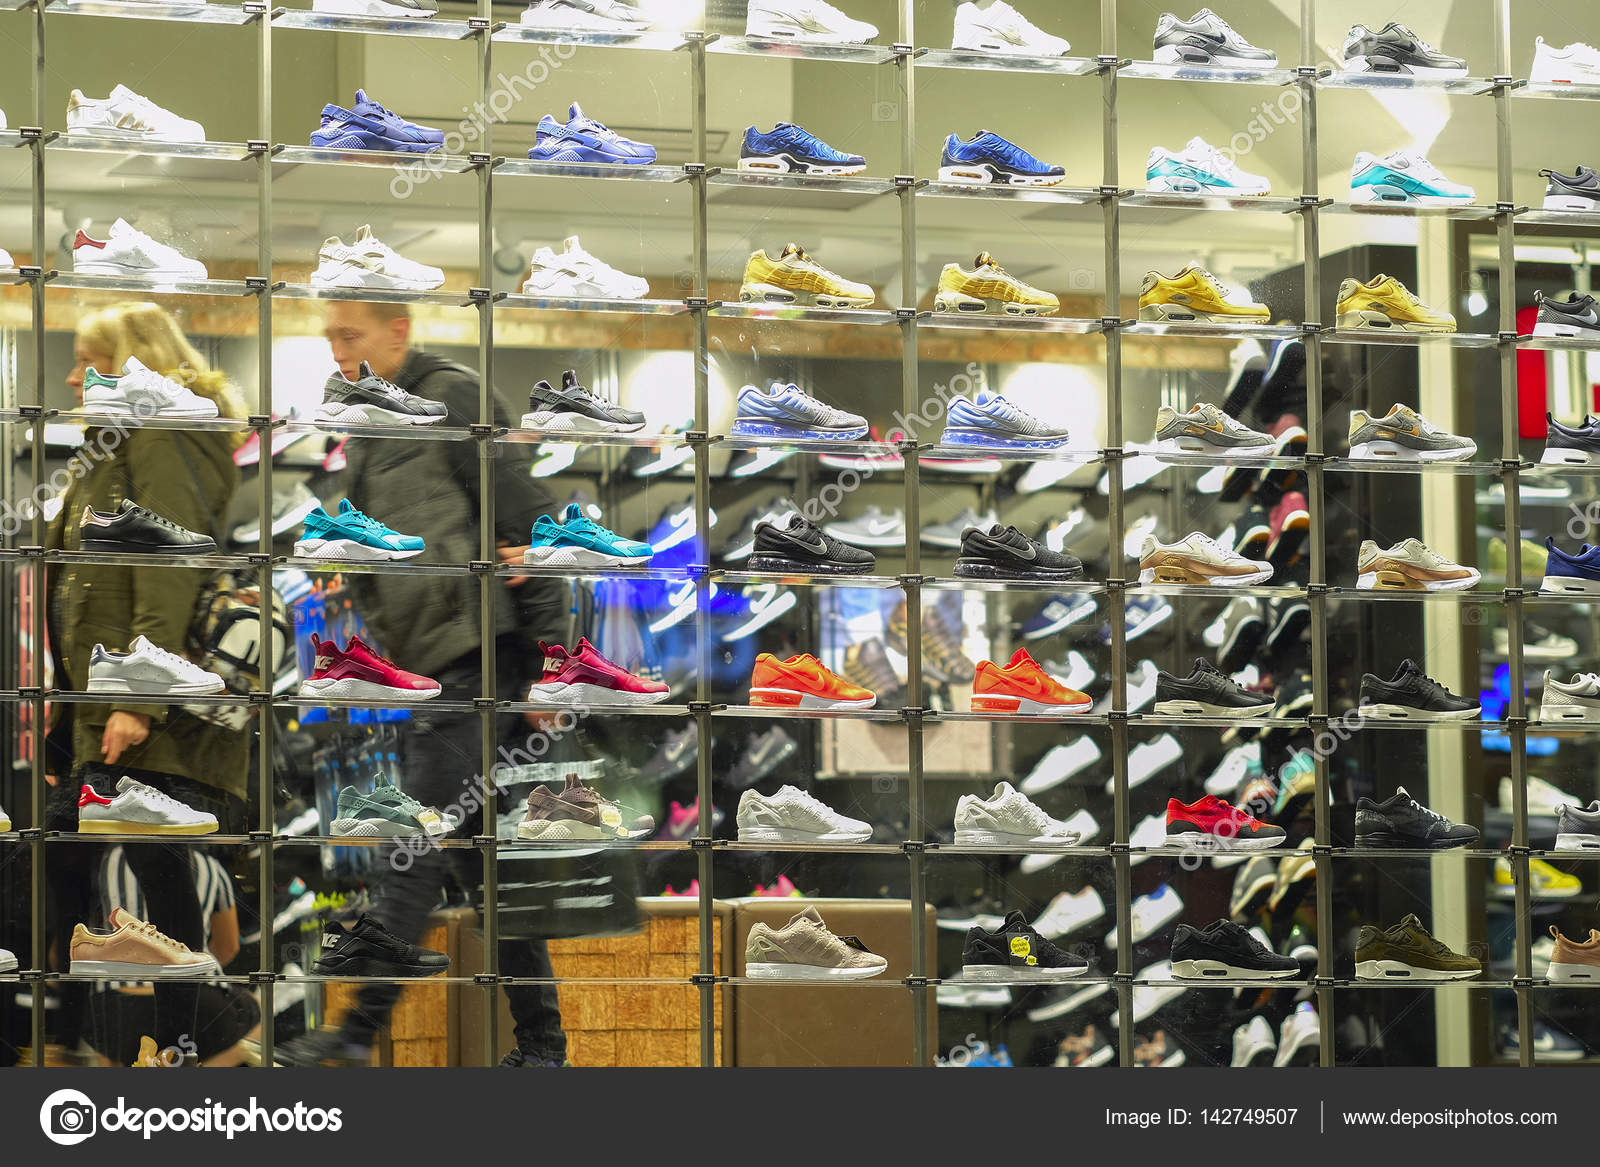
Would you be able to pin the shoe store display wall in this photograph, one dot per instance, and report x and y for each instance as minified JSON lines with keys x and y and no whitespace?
{"x":1095,"y":501}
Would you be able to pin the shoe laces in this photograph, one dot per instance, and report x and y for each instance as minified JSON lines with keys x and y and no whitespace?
{"x":153,"y":795}
{"x":171,"y":658}
{"x":150,"y":516}
{"x":1423,"y":424}
{"x":148,"y":929}
{"x":1013,"y":153}
{"x":1029,"y":814}
{"x":1419,"y":808}
{"x":1219,"y":162}
{"x":366,"y":522}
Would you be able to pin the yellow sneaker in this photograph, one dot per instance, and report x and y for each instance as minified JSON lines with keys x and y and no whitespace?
{"x":988,"y":287}
{"x":1195,"y":294}
{"x":795,"y":278}
{"x":1384,"y":302}
{"x":1544,"y":882}
{"x":149,"y":1055}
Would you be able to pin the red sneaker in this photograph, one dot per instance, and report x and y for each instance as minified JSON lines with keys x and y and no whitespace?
{"x":1214,"y":825}
{"x":357,"y":671}
{"x":583,"y":676}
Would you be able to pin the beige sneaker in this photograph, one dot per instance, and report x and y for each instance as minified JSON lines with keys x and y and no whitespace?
{"x":135,"y":950}
{"x":804,"y":949}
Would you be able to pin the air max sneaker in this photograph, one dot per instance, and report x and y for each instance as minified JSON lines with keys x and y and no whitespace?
{"x":988,"y":159}
{"x":577,"y":814}
{"x":1410,"y":566}
{"x":1579,"y":191}
{"x":989,"y":288}
{"x":1195,"y":295}
{"x":585,"y":16}
{"x":802,"y":683}
{"x":793,"y":816}
{"x":572,"y":409}
{"x":1198,"y":559}
{"x":1406,"y":952}
{"x":1000,"y":28}
{"x":1574,"y":700}
{"x":583,"y":676}
{"x":349,"y":536}
{"x":573,"y":274}
{"x":366,"y":125}
{"x":146,"y":668}
{"x":137,"y":809}
{"x":1545,"y":882}
{"x":1574,"y":316}
{"x":787,"y":411}
{"x":1412,"y":695}
{"x":136,"y":529}
{"x":1206,"y":692}
{"x":795,"y":278}
{"x":789,"y":149}
{"x":872,"y":528}
{"x":357,"y":672}
{"x":134,"y":950}
{"x":1574,"y":960}
{"x":814,"y":22}
{"x":125,"y":114}
{"x":131,"y":254}
{"x":1016,"y":952}
{"x":1225,"y":950}
{"x":1404,"y":435}
{"x":1576,"y":64}
{"x":369,"y":262}
{"x":582,"y":139}
{"x":990,"y":421}
{"x":1383,"y":302}
{"x":1008,"y":818}
{"x":370,"y":400}
{"x":1211,"y":824}
{"x":997,"y":552}
{"x":1199,"y":169}
{"x":1576,"y":574}
{"x":576,"y":540}
{"x":1205,"y":429}
{"x":1403,"y":176}
{"x":1400,"y":822}
{"x":801,"y":546}
{"x":1394,"y":50}
{"x":1021,"y":686}
{"x":1206,"y":39}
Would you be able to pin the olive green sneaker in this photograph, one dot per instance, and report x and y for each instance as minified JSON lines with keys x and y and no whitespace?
{"x":1407,"y":952}
{"x":1533,"y":558}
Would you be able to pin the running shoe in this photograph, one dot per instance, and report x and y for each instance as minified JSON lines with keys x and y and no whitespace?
{"x":1009,"y":818}
{"x":370,"y":400}
{"x":802,"y":683}
{"x":583,"y":676}
{"x":1021,"y":686}
{"x":1410,"y":566}
{"x":989,"y":288}
{"x":582,"y":139}
{"x":1578,"y":191}
{"x":1206,"y":692}
{"x":1574,"y":316}
{"x":1199,"y":169}
{"x":1406,"y":952}
{"x":585,"y":16}
{"x":1576,"y":64}
{"x":125,"y":114}
{"x":1402,"y":177}
{"x":1198,"y":559}
{"x":787,"y":411}
{"x":990,"y":159}
{"x":804,"y":950}
{"x":1205,"y":429}
{"x":803,"y":547}
{"x":1577,"y":573}
{"x":813,"y":22}
{"x":134,"y":950}
{"x":793,"y":816}
{"x":1404,"y":435}
{"x":1211,"y":824}
{"x":795,"y":278}
{"x":1016,"y":952}
{"x":578,"y":812}
{"x":576,"y":540}
{"x":1206,"y":39}
{"x":1395,"y":51}
{"x":572,"y":409}
{"x":357,"y":672}
{"x":872,"y":528}
{"x":1000,"y":28}
{"x":1544,"y":881}
{"x":384,"y":812}
{"x":1383,"y":302}
{"x":368,"y":126}
{"x":1194,"y":294}
{"x":1412,"y":695}
{"x":1058,"y":612}
{"x":997,"y":552}
{"x":990,"y":421}
{"x":369,"y":262}
{"x":352,"y":537}
{"x":789,"y":149}
{"x":573,"y":274}
{"x":1574,"y":960}
{"x":130,"y":253}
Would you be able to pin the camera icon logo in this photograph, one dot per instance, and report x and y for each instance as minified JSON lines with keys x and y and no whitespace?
{"x":68,"y":1117}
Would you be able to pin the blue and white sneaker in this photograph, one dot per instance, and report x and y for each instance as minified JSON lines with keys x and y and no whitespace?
{"x":789,"y":149}
{"x":990,"y":421}
{"x":989,"y":158}
{"x":1565,"y":573}
{"x":789,"y":412}
{"x":368,"y":126}
{"x":1199,"y":168}
{"x":1059,"y":612}
{"x":579,"y":541}
{"x":1404,"y":176}
{"x":582,"y":139}
{"x":352,"y":537}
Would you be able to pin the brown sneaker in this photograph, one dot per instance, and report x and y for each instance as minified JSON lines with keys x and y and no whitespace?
{"x":1575,"y":960}
{"x":578,"y":813}
{"x":804,"y":949}
{"x":135,"y":951}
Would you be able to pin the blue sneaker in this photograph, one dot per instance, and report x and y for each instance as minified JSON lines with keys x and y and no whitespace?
{"x":1578,"y":573}
{"x":368,"y":126}
{"x":990,"y":421}
{"x":997,"y":1059}
{"x":1404,"y":176}
{"x":789,"y":149}
{"x":1057,"y":613}
{"x":579,"y":541}
{"x":788,"y":412}
{"x":989,"y":158}
{"x":352,"y":537}
{"x":583,"y":139}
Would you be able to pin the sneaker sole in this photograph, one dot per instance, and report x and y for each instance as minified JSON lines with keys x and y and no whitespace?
{"x":795,"y":699}
{"x":970,"y":837}
{"x":1196,"y":841}
{"x":1003,"y":972}
{"x":1573,"y":972}
{"x":1375,"y":840}
{"x":800,"y":298}
{"x":122,"y":271}
{"x":373,"y":829}
{"x":356,"y":690}
{"x":796,"y":835}
{"x":1183,"y":707}
{"x":1001,"y":703}
{"x":774,"y":971}
{"x":127,"y":970}
{"x":369,"y":415}
{"x":581,"y":557}
{"x":1405,"y":713}
{"x":989,"y":174}
{"x":1556,"y":584}
{"x":349,"y":551}
{"x":1395,"y":581}
{"x":1210,"y":970}
{"x":584,"y":693}
{"x":778,"y":565}
{"x":154,"y":688}
{"x":1578,"y":842}
{"x":1394,"y":970}
{"x":552,"y":422}
{"x":117,"y":827}
{"x":789,"y":164}
{"x":988,"y":569}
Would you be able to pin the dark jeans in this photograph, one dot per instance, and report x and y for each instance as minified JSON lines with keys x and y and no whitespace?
{"x":165,"y":878}
{"x":444,"y":759}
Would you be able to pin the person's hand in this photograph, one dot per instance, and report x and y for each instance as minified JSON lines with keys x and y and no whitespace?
{"x":123,"y":731}
{"x":510,"y":554}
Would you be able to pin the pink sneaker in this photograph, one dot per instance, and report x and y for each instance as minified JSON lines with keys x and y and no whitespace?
{"x":782,"y":887}
{"x":356,"y":671}
{"x":683,"y":821}
{"x":583,"y":677}
{"x":692,"y":890}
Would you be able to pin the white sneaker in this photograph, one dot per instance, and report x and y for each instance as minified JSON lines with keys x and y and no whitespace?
{"x":1574,"y":700}
{"x":1300,"y":1029}
{"x":1060,"y":764}
{"x":1002,"y":29}
{"x":1236,"y":766}
{"x":1147,"y":998}
{"x":409,"y":11}
{"x":369,"y":262}
{"x":8,"y":960}
{"x":1141,"y":689}
{"x":812,"y":21}
{"x":125,"y":114}
{"x":1150,"y":914}
{"x":129,"y":252}
{"x":1086,"y":827}
{"x":1067,"y":913}
{"x":1008,"y":818}
{"x":1577,"y":64}
{"x":1543,"y":798}
{"x":1075,"y":672}
{"x":5,"y":256}
{"x":1413,"y":166}
{"x":1410,"y":565}
{"x":1198,"y":559}
{"x":572,"y":273}
{"x":1150,"y":833}
{"x":584,"y":16}
{"x":1251,"y":1040}
{"x":793,"y":816}
{"x":148,"y":669}
{"x":1200,"y":168}
{"x":142,"y":392}
{"x":1147,"y":759}
{"x":956,"y":992}
{"x":138,"y":809}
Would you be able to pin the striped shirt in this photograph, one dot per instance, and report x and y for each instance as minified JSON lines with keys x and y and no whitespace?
{"x":119,"y":888}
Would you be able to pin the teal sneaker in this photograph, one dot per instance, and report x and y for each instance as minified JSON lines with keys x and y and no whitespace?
{"x":386,"y":813}
{"x":352,"y":537}
{"x":578,"y":541}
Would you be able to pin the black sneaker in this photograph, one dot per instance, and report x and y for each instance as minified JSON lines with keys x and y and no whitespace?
{"x":762,"y":754}
{"x":964,"y":915}
{"x":370,"y":400}
{"x":1223,"y":949}
{"x":1575,"y":316}
{"x":368,"y":949}
{"x":1402,"y":822}
{"x":675,"y":755}
{"x":573,"y":409}
{"x":803,"y":547}
{"x":1289,"y":620}
{"x":1205,"y":692}
{"x":1566,"y":445}
{"x":1253,"y":533}
{"x":1413,"y":695}
{"x":320,"y":1047}
{"x":868,"y":665}
{"x":1396,"y":51}
{"x":1015,"y":952}
{"x":1243,"y":628}
{"x":520,"y":1059}
{"x":1571,"y":192}
{"x":132,"y":528}
{"x":1006,"y":553}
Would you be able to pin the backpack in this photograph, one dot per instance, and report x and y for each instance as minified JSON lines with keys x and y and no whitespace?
{"x":225,"y":638}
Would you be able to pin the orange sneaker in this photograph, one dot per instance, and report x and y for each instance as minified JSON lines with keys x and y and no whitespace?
{"x":1023,"y":687}
{"x":802,"y":683}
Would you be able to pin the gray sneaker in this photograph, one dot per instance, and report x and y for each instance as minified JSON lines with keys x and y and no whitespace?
{"x":1205,"y":429}
{"x":948,"y":534}
{"x":1574,"y":700}
{"x":386,"y":813}
{"x":573,"y":409}
{"x":1405,"y":435}
{"x":873,"y":528}
{"x":804,"y":949}
{"x":370,"y":400}
{"x":1578,"y":828}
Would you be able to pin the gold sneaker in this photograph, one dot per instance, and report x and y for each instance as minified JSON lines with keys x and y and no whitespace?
{"x":1384,"y":302}
{"x":989,"y":288}
{"x":795,"y":278}
{"x":135,"y":950}
{"x":1194,"y":294}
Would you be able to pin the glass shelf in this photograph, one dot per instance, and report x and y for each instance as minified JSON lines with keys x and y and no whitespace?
{"x":427,"y":433}
{"x":1412,"y":853}
{"x":150,"y":287}
{"x":1084,"y":718}
{"x":1204,"y":330}
{"x":1588,"y":343}
{"x":1464,"y":596}
{"x":1462,"y":211}
{"x":567,"y":437}
{"x":1167,"y":201}
{"x":521,"y":300}
{"x":1383,"y":466}
{"x":1572,"y":220}
{"x":1410,"y":339}
{"x":534,"y":571}
{"x":1159,"y":71}
{"x":812,"y":446}
{"x":812,"y":848}
{"x":802,"y":580}
{"x":372,"y":295}
{"x":77,"y":697}
{"x":994,"y":322}
{"x":1062,"y":456}
{"x":138,"y":559}
{"x":528,"y":168}
{"x":758,"y":180}
{"x":756,"y":46}
{"x":436,"y":162}
{"x":1261,"y":591}
{"x":194,"y":13}
{"x":869,"y":317}
{"x":1087,"y":587}
{"x":145,"y":148}
{"x":226,"y":425}
{"x":1243,"y":461}
{"x":295,"y":701}
{"x":594,"y":707}
{"x":1182,"y":720}
{"x":391,"y":567}
{"x":1060,"y":193}
{"x":200,"y":840}
{"x":432,"y":27}
{"x":771,"y":711}
{"x":654,"y":40}
{"x":1461,"y":86}
{"x":1075,"y":851}
{"x":1351,"y":721}
{"x":1558,"y":90}
{"x":1004,"y":62}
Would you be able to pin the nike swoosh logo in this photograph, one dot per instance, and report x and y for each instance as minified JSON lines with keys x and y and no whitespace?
{"x":816,"y":548}
{"x":1029,"y":554}
{"x":880,"y":528}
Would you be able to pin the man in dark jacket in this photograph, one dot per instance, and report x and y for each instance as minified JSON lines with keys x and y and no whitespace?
{"x":431,"y":624}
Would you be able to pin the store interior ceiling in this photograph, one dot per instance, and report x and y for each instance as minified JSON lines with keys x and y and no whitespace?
{"x":209,"y":209}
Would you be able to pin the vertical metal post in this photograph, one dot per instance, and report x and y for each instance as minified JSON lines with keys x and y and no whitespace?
{"x":37,"y":538}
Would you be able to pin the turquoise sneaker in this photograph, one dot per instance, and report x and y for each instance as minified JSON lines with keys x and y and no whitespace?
{"x":352,"y":537}
{"x":577,"y":541}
